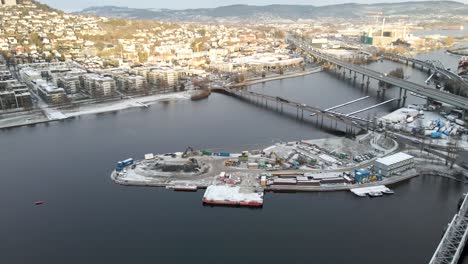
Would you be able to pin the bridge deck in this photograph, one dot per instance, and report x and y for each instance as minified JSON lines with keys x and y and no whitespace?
{"x":448,"y":98}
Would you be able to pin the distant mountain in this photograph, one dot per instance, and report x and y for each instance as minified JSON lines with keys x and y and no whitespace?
{"x":281,"y":12}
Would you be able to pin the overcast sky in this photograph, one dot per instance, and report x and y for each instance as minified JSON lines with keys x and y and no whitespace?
{"x":74,"y":5}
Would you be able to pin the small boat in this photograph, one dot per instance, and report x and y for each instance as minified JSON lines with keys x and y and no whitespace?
{"x":39,"y":202}
{"x":375,"y":194}
{"x":388,"y":191}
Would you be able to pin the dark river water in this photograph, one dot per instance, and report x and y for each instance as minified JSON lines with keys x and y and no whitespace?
{"x":88,"y":219}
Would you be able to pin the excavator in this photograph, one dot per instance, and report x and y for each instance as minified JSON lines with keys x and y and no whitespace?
{"x":186,"y":152}
{"x":278,"y":161}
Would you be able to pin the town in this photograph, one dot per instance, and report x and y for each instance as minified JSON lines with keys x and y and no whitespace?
{"x":349,"y":119}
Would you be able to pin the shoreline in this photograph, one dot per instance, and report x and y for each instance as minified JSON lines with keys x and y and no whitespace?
{"x":54,"y":114}
{"x":64,"y":113}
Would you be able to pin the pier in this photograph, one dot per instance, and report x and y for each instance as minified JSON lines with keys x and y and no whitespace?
{"x":451,"y":246}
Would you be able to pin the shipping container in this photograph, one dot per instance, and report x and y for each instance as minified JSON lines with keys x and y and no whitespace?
{"x":224,"y":154}
{"x":436,"y":135}
{"x":206,"y":153}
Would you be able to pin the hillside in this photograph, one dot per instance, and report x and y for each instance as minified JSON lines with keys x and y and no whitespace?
{"x":282,"y":12}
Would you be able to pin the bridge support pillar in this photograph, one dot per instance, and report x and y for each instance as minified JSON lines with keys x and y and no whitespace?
{"x":368,"y":82}
{"x":404,"y":98}
{"x":302,"y":113}
{"x":399,"y":97}
{"x":354,"y":78}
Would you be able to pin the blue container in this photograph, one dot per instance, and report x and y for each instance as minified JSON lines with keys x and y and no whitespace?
{"x":436,"y":135}
{"x":224,"y":154}
{"x":123,"y":164}
{"x":361,"y":174}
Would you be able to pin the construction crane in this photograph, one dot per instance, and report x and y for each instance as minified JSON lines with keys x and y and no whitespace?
{"x":185,"y":154}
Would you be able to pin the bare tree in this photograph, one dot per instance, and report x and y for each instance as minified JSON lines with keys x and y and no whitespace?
{"x":452,"y":153}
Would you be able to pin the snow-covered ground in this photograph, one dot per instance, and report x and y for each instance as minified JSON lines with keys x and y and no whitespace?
{"x":232,"y":194}
{"x":52,"y":113}
{"x":124,"y":104}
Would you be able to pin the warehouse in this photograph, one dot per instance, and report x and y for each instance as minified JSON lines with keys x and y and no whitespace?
{"x":394,"y":164}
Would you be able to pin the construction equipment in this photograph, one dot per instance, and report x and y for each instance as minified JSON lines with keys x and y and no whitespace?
{"x":186,"y":152}
{"x":261,"y":164}
{"x":229,"y":163}
{"x":244,"y":157}
{"x":296,"y":164}
{"x":278,"y":159}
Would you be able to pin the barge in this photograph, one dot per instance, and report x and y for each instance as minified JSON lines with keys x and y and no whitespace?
{"x":232,"y":196}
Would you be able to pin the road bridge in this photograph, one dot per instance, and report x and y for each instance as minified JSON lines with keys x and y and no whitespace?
{"x":279,"y":103}
{"x":451,"y":246}
{"x":458,"y":101}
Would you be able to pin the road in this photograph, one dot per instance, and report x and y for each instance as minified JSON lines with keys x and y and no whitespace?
{"x":448,"y":98}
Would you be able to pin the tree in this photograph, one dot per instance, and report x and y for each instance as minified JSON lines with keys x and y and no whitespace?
{"x":397,"y":73}
{"x":143,"y":56}
{"x":452,"y":153}
{"x":448,"y":41}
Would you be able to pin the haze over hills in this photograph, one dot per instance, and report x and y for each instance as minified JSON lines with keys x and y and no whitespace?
{"x":281,"y":12}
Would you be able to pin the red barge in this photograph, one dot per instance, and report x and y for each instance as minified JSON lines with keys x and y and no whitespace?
{"x":232,"y":196}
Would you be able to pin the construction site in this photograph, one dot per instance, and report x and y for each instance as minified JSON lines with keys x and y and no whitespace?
{"x":240,"y":179}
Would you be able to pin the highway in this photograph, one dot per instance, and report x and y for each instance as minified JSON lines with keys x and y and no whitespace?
{"x":448,"y":74}
{"x":444,"y":97}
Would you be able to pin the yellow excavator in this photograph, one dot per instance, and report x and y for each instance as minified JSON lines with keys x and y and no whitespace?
{"x":278,"y":160}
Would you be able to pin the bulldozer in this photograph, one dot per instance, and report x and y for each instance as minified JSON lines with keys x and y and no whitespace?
{"x":228,"y":163}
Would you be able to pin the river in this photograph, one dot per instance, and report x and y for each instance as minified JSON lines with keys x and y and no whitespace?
{"x":88,"y":219}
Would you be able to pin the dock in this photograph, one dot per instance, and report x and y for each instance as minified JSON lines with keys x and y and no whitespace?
{"x":364,"y":191}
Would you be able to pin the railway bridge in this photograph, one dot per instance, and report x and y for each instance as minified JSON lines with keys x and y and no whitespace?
{"x":451,"y":246}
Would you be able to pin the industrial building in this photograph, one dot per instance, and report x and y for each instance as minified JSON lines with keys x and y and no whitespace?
{"x":394,"y":164}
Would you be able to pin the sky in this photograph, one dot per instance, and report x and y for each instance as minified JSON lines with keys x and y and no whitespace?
{"x":76,"y":5}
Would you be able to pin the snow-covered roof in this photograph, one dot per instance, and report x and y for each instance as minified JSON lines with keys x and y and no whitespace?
{"x":393,"y":159}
